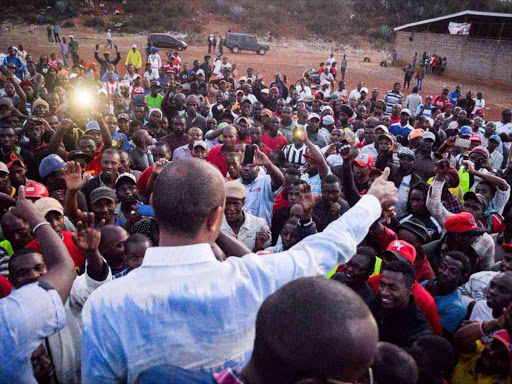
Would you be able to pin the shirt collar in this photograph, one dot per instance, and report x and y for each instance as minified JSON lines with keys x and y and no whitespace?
{"x":179,"y":255}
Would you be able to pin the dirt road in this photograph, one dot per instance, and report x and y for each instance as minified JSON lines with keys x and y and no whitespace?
{"x":290,"y":58}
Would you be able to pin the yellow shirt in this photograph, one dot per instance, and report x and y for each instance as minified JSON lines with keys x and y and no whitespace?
{"x":464,"y":372}
{"x":133,"y":58}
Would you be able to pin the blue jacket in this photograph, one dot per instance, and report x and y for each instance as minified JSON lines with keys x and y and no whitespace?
{"x":20,"y":68}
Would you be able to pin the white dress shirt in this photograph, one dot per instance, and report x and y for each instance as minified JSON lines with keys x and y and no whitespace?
{"x":184,"y":307}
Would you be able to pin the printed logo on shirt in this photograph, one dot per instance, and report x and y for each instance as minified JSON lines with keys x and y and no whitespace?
{"x":257,"y":189}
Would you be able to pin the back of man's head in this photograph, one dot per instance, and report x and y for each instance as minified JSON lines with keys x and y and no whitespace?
{"x":393,"y":365}
{"x":185,"y":194}
{"x":435,"y":358}
{"x":313,"y":328}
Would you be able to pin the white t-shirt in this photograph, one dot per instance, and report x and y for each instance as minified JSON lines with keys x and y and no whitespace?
{"x":216,"y":66}
{"x":403,"y":195}
{"x":355,"y":93}
{"x":504,"y":128}
{"x":259,"y":197}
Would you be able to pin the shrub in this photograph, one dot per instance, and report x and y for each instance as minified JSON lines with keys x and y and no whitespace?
{"x":384,"y":32}
{"x":237,"y":13}
{"x":68,"y":24}
{"x":94,"y":22}
{"x":44,"y":19}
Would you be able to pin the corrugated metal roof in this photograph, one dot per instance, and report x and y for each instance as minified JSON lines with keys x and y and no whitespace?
{"x":463,"y":13}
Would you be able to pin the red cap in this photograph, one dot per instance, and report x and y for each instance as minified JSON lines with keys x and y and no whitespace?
{"x":475,"y":138}
{"x":479,"y":112}
{"x":364,"y":160}
{"x":402,"y":249}
{"x":504,"y":337}
{"x":498,"y":223}
{"x":34,"y":189}
{"x":463,"y":222}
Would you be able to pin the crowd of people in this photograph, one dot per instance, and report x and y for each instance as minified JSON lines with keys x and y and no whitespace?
{"x":171,"y":223}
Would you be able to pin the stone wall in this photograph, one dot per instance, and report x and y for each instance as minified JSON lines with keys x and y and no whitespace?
{"x":485,"y":58}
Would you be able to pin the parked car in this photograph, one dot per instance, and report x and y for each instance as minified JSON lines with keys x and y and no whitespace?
{"x":238,"y":42}
{"x":165,"y":40}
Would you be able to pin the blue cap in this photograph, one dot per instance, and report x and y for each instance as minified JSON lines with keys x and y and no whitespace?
{"x":495,"y":138}
{"x":466,"y":130}
{"x":92,"y":125}
{"x":50,"y":164}
{"x":328,"y":120}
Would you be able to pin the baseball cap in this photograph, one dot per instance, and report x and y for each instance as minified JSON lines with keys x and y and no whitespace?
{"x":328,"y":120}
{"x":92,"y":125}
{"x":402,"y":250}
{"x":134,"y":46}
{"x":495,"y":138}
{"x":324,"y":82}
{"x":415,"y":226}
{"x":385,"y":136}
{"x":127,"y":176}
{"x":51,"y":163}
{"x":102,"y":193}
{"x":364,"y":160}
{"x":235,"y":190}
{"x":123,"y":116}
{"x":79,"y":155}
{"x":3,"y":167}
{"x":244,"y":99}
{"x":478,"y":197}
{"x":406,"y":110}
{"x":15,"y":160}
{"x":479,"y":112}
{"x":463,"y":222}
{"x":35,"y":189}
{"x":364,"y":89}
{"x":481,"y":150}
{"x":476,"y":138}
{"x":200,"y":143}
{"x":375,"y":172}
{"x":415,"y":133}
{"x":504,"y":338}
{"x":383,"y":128}
{"x":406,"y":152}
{"x":466,"y":130}
{"x":48,"y":204}
{"x":429,"y":135}
{"x":6,"y":101}
{"x":313,"y":116}
{"x":242,"y":118}
{"x":155,"y":83}
{"x":102,"y":91}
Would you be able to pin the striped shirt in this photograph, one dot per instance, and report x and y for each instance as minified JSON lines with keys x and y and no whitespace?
{"x":391,"y":98}
{"x":295,"y":155}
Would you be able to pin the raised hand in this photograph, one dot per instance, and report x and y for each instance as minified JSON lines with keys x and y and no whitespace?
{"x":73,"y":176}
{"x":262,"y":237}
{"x":25,"y":209}
{"x":259,"y":157}
{"x":159,"y":166}
{"x":88,"y":238}
{"x":385,"y":191}
{"x":308,"y":202}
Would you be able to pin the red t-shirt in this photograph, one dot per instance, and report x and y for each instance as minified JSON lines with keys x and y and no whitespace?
{"x":94,"y":166}
{"x":424,"y":300}
{"x":217,"y":158}
{"x":274,"y":143}
{"x":143,"y":180}
{"x":5,"y":287}
{"x":76,"y":253}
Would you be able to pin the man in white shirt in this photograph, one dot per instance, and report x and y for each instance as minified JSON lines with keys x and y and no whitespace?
{"x":251,"y":230}
{"x":204,"y":311}
{"x":504,"y":127}
{"x":413,"y":101}
{"x":155,"y":60}
{"x":356,"y":92}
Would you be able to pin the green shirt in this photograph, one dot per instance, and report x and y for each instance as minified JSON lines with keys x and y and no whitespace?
{"x":154,"y":102}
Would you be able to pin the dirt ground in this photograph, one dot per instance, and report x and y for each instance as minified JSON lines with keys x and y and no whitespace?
{"x":287,"y":57}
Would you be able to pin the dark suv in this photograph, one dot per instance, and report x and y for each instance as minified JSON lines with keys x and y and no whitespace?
{"x":237,"y":42}
{"x":165,"y":40}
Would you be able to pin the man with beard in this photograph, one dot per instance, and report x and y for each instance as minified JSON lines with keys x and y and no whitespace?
{"x":110,"y":163}
{"x":240,"y":224}
{"x":484,"y":363}
{"x":399,"y":318}
{"x":194,"y":119}
{"x":177,"y":138}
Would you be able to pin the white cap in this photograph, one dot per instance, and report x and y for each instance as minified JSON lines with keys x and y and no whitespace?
{"x":429,"y":135}
{"x":364,"y":89}
{"x":406,"y":110}
{"x":134,"y":46}
{"x":383,"y":127}
{"x":313,"y":116}
{"x":324,"y":82}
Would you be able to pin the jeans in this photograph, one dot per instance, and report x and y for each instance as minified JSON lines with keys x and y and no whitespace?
{"x":420,"y":83}
{"x":65,"y":59}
